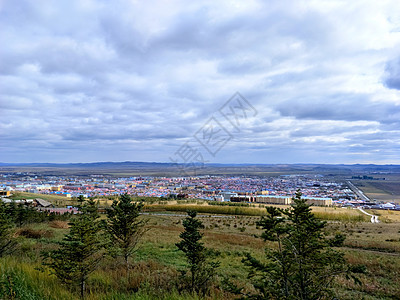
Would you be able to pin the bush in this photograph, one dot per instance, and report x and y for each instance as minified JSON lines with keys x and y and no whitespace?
{"x":34,"y":234}
{"x":59,"y":224}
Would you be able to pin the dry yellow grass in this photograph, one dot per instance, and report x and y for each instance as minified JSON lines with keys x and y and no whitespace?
{"x":387,"y":215}
{"x":59,"y":224}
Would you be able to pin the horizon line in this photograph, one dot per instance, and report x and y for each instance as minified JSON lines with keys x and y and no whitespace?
{"x":172,"y":163}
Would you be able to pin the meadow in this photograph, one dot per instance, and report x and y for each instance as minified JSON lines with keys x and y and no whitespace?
{"x":229,"y":232}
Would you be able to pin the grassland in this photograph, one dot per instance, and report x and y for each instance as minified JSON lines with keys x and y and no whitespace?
{"x":56,"y":200}
{"x":158,"y":261}
{"x":168,"y":169}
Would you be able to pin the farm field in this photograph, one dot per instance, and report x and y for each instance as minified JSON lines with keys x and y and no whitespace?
{"x":381,"y":190}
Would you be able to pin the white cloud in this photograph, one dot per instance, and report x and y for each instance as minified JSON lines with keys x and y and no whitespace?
{"x":86,"y":81}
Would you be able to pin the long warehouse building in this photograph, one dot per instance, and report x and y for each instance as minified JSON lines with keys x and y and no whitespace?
{"x":283,"y":200}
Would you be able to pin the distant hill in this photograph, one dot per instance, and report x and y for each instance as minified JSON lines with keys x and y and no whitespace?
{"x":131,"y":168}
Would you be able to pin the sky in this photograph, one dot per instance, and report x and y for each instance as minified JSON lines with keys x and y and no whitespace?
{"x":200,"y":81}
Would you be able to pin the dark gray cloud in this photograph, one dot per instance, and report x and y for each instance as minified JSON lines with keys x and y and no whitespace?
{"x":392,"y":79}
{"x":349,"y":107}
{"x":87,"y":81}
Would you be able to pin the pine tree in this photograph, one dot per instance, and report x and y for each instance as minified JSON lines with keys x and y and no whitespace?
{"x":20,"y":214}
{"x":24,"y":214}
{"x":201,"y":270}
{"x":11,"y":210}
{"x":125,"y":227}
{"x":7,"y":242}
{"x":81,"y":250}
{"x":303,"y":264}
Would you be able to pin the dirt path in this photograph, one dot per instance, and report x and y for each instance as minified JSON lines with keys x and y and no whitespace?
{"x":374,"y":219}
{"x":371,"y":251}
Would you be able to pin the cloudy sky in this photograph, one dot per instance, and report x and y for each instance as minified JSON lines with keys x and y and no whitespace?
{"x":86,"y":80}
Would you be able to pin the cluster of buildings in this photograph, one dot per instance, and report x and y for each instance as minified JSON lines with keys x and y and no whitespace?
{"x":39,"y":203}
{"x":317,"y":189}
{"x":277,"y":190}
{"x":282,"y":200}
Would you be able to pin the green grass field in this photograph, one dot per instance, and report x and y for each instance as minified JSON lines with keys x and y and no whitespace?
{"x":158,"y":261}
{"x":56,"y":200}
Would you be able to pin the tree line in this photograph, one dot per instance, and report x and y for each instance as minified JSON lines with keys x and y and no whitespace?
{"x":303,"y":265}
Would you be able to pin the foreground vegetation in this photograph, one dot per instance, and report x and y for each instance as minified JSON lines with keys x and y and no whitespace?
{"x":157,"y":264}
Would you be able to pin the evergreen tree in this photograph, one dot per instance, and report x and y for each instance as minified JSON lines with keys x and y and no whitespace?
{"x":11,"y":211}
{"x":201,"y":270}
{"x":21,"y":214}
{"x":81,"y":250}
{"x":125,"y":227}
{"x":303,"y":264}
{"x":7,"y":242}
{"x":25,"y":214}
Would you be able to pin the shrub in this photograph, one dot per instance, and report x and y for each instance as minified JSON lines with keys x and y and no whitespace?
{"x":34,"y":234}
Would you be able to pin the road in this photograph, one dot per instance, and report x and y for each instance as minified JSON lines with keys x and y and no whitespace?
{"x":358,"y":191}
